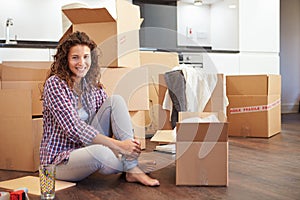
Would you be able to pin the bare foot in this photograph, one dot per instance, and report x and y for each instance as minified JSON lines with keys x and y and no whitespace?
{"x":147,"y":166}
{"x":137,"y":175}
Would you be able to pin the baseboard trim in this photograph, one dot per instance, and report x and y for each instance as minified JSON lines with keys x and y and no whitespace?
{"x":289,"y":108}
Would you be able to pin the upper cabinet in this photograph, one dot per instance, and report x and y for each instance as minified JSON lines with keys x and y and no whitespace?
{"x":244,"y":25}
{"x":259,"y":22}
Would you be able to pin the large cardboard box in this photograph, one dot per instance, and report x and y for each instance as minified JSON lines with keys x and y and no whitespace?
{"x":20,"y":135}
{"x":201,"y":151}
{"x":26,"y":75}
{"x":115,"y":29}
{"x":130,"y":83}
{"x":254,"y":105}
{"x":156,"y":63}
{"x":215,"y":104}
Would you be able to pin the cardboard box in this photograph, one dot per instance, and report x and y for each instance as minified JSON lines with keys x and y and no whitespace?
{"x":254,"y":109}
{"x":267,"y":84}
{"x":114,"y":28}
{"x":201,"y":151}
{"x":155,"y":59}
{"x":156,"y":63}
{"x":138,"y":123}
{"x":26,"y":75}
{"x":130,"y":83}
{"x":215,"y":104}
{"x":20,"y":135}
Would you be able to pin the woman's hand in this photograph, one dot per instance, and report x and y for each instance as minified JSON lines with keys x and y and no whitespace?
{"x":130,"y":148}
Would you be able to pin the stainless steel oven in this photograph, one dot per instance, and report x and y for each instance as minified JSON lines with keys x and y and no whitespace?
{"x":191,"y":59}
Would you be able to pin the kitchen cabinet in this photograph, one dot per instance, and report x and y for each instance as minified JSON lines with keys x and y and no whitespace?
{"x":241,"y":63}
{"x":259,"y":22}
{"x":225,"y":63}
{"x":26,"y":54}
{"x":259,"y":63}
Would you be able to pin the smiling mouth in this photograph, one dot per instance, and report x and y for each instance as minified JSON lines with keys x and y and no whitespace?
{"x":80,"y":69}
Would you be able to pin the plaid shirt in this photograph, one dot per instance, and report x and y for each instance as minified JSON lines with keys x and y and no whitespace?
{"x":63,"y":130}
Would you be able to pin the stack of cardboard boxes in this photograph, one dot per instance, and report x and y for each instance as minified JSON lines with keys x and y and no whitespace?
{"x":20,"y":114}
{"x":116,"y":32}
{"x":115,"y":29}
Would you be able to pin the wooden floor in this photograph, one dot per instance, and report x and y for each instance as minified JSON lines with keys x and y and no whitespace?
{"x":258,"y":169}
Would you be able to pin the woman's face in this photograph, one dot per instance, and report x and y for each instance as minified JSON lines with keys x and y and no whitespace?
{"x":79,"y":59}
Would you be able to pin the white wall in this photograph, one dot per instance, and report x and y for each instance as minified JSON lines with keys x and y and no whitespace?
{"x":289,"y":55}
{"x":39,"y":20}
{"x":33,"y":19}
{"x":213,"y":25}
{"x":197,"y":18}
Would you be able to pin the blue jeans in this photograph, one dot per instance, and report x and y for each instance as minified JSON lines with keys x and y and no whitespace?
{"x":112,"y":120}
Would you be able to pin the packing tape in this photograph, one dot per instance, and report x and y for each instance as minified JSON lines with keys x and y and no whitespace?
{"x":259,"y":108}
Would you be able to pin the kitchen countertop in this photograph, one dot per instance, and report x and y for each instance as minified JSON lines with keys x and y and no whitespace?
{"x":29,"y":44}
{"x":190,"y":50}
{"x":52,"y":44}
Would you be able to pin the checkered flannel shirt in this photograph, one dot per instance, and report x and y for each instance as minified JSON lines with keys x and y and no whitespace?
{"x":63,"y":130}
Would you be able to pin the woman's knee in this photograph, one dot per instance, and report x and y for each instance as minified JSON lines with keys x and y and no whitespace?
{"x":117,"y":99}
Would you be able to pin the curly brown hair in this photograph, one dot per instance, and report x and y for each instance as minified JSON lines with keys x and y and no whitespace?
{"x":60,"y":66}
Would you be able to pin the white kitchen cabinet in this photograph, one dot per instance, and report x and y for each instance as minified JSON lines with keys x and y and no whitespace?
{"x":52,"y":52}
{"x":225,"y":63}
{"x":26,"y":54}
{"x":259,"y":22}
{"x":259,"y":63}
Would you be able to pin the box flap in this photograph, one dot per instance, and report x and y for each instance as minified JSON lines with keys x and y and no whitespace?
{"x":88,"y":15}
{"x":202,"y":132}
{"x":164,"y":136}
{"x":141,"y":21}
{"x":204,"y":116}
{"x":66,"y":34}
{"x":127,"y":12}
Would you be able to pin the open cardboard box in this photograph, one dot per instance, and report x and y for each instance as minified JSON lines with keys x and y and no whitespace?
{"x":201,"y":150}
{"x":115,"y":31}
{"x":254,"y":105}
